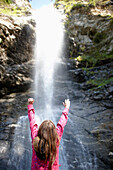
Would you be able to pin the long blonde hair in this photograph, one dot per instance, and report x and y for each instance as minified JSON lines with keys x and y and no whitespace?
{"x":46,"y":142}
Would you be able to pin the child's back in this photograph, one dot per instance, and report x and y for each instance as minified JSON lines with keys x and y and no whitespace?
{"x":46,"y":139}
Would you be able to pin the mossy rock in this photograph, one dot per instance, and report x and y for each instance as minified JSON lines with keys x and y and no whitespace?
{"x":99,"y":36}
{"x":100,"y":82}
{"x":3,"y":2}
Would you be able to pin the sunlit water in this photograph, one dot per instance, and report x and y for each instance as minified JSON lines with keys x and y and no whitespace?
{"x":49,"y":39}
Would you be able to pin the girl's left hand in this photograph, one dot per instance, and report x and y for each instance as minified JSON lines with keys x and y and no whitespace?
{"x":30,"y":100}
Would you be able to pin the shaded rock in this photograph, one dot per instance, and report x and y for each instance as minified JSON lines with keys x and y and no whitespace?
{"x":15,"y":79}
{"x":98,"y":97}
{"x":78,"y":75}
{"x":86,"y":86}
{"x":108,"y":104}
{"x":110,"y":90}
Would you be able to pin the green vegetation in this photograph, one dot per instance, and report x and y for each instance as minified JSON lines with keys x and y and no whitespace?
{"x":100,"y":82}
{"x":95,"y":59}
{"x":111,"y":21}
{"x":69,"y":5}
{"x":99,"y":36}
{"x":3,"y":2}
{"x":13,"y":11}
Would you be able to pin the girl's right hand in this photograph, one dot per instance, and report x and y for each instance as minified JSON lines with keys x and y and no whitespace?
{"x":30,"y":101}
{"x":66,"y":103}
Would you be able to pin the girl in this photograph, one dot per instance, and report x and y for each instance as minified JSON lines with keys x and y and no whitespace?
{"x":46,"y":139}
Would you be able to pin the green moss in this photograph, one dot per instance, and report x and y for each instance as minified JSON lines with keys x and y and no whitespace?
{"x":100,"y":82}
{"x":77,"y":5}
{"x":68,"y":5}
{"x":99,"y":36}
{"x":111,"y":21}
{"x":12,"y":11}
{"x":5,"y":2}
{"x":95,"y":59}
{"x":93,"y":2}
{"x":71,"y":53}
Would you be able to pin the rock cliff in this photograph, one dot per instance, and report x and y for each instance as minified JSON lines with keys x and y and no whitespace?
{"x":88,"y":30}
{"x":89,"y":37}
{"x":17,"y":40}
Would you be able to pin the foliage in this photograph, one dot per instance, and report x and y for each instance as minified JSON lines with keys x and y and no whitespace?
{"x":100,"y":82}
{"x":5,"y":1}
{"x":95,"y":59}
{"x":13,"y":11}
{"x":70,"y":4}
{"x":111,"y":21}
{"x":99,"y":36}
{"x":93,"y":2}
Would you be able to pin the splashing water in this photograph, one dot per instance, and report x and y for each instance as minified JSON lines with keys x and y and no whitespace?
{"x":20,"y":154}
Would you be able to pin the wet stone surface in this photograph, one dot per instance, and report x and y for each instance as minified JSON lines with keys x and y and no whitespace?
{"x":87,"y":140}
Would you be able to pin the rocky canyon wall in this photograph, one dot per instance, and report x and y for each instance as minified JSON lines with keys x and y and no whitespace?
{"x":89,"y":29}
{"x":17,"y":40}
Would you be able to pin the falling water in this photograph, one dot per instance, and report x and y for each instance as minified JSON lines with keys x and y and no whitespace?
{"x":49,"y":38}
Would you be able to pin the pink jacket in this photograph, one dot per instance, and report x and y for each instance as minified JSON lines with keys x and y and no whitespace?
{"x":38,"y":164}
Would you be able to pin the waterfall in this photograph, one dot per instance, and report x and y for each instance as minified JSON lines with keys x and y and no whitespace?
{"x":49,"y":39}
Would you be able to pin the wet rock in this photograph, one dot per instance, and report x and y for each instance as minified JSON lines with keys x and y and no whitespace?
{"x":108,"y":104}
{"x":111,"y":154}
{"x":78,"y":75}
{"x":98,"y":97}
{"x":110,"y":90}
{"x":4,"y":145}
{"x":86,"y":86}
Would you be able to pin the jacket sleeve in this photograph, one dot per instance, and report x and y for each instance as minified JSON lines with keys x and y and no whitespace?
{"x":32,"y":121}
{"x":62,"y":122}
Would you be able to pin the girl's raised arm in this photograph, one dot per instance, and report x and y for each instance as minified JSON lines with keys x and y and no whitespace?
{"x":63,"y":119}
{"x":32,"y":120}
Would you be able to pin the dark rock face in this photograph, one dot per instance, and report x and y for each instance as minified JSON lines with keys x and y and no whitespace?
{"x":16,"y":51}
{"x":78,"y":75}
{"x":22,"y":49}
